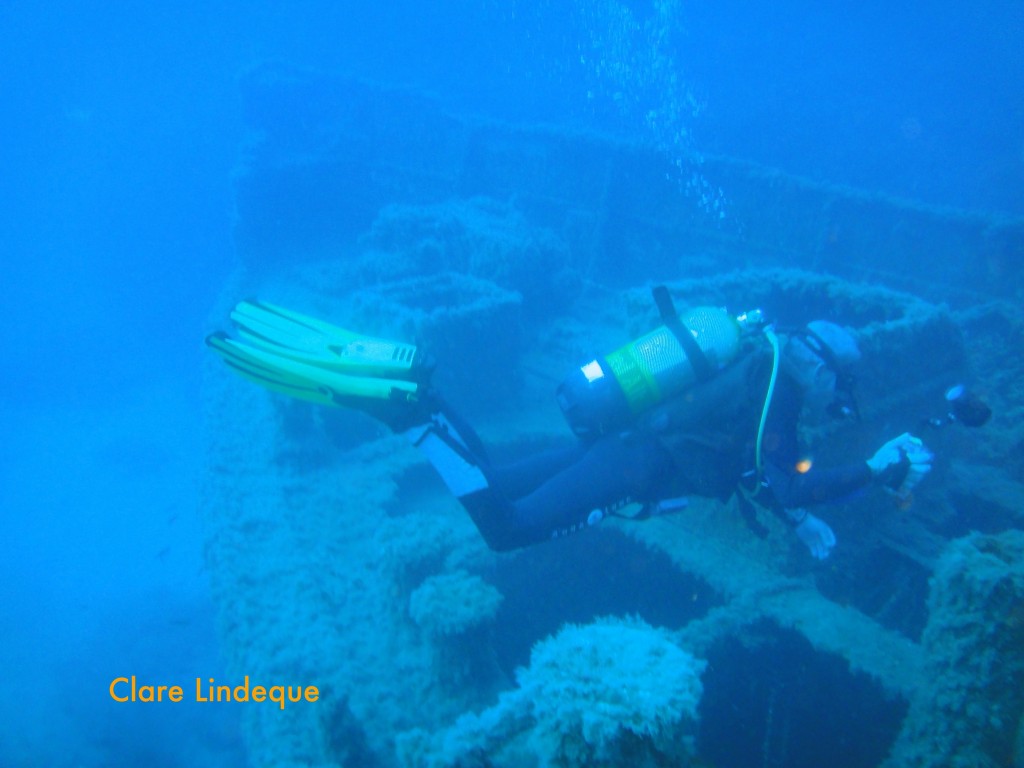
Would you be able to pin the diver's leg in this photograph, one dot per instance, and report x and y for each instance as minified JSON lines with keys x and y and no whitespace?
{"x":612,"y":470}
{"x":615,"y":469}
{"x":523,"y":476}
{"x":513,"y":480}
{"x":545,"y":496}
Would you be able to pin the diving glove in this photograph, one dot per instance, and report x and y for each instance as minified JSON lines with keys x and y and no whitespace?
{"x":901,"y":464}
{"x":816,"y":535}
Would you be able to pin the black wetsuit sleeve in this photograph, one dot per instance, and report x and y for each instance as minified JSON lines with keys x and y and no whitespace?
{"x":816,"y":486}
{"x":781,"y":452}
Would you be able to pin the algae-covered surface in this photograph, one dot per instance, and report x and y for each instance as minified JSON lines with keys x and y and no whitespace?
{"x":201,"y":572}
{"x":338,"y":558}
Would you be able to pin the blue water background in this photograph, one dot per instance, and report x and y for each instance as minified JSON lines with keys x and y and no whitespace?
{"x":120,"y":127}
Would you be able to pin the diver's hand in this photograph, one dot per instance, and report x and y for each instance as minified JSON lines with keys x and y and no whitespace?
{"x":901,"y":464}
{"x":920,"y":459}
{"x":817,"y":535}
{"x":889,"y":457}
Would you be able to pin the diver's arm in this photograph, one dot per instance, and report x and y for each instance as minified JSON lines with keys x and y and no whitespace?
{"x":790,"y":487}
{"x":815,"y":486}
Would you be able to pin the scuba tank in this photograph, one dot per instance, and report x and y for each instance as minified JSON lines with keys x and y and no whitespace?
{"x":606,"y":393}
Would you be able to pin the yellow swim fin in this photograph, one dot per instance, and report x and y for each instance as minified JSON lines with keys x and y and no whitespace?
{"x":299,"y":356}
{"x":292,"y":335}
{"x":304,"y":381}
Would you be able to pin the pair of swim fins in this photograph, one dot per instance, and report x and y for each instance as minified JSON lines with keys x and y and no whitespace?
{"x":312,"y":360}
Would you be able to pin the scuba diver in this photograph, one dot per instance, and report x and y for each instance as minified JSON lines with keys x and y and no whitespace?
{"x":706,"y":404}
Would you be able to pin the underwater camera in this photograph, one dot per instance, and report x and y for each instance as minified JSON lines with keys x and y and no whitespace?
{"x":965,"y":407}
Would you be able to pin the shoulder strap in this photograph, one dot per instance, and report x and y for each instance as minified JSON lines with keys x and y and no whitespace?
{"x":669,"y":316}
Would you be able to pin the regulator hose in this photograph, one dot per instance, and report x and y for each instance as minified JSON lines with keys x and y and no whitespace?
{"x":774,"y":341}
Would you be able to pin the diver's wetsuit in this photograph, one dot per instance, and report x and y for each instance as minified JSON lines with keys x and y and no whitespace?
{"x":554,"y":493}
{"x":701,"y":442}
{"x":789,"y":488}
